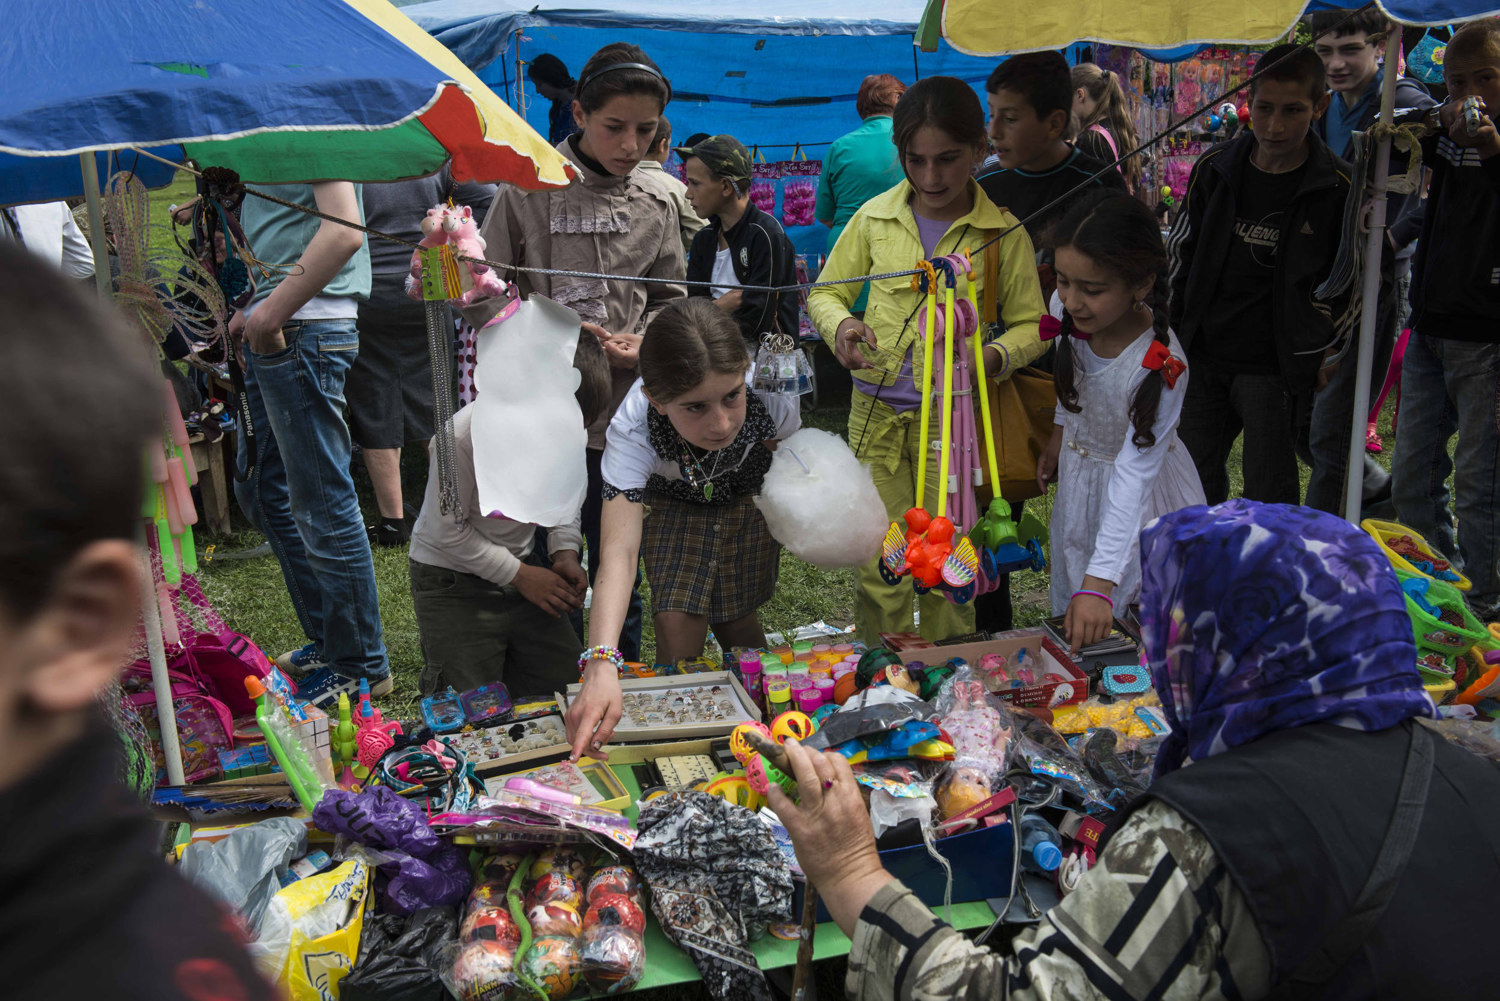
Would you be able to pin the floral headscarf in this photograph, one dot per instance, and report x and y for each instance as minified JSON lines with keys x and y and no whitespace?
{"x":1262,"y":617}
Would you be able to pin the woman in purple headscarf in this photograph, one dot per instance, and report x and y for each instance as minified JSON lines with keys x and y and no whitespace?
{"x":1318,"y":838}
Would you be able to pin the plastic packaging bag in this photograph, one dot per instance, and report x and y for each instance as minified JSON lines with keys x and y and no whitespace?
{"x":418,"y":868}
{"x":242,"y":870}
{"x":543,"y":925}
{"x":399,"y":957}
{"x":310,"y":936}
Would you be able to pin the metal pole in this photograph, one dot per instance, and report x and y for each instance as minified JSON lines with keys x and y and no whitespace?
{"x":1374,"y":243}
{"x":96,"y":222}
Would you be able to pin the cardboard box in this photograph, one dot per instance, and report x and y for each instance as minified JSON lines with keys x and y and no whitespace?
{"x":1064,"y":683}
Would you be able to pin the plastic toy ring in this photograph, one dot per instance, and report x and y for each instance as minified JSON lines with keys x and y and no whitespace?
{"x":791,"y":724}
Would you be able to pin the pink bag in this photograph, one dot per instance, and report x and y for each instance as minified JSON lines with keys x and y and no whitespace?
{"x":205,"y":725}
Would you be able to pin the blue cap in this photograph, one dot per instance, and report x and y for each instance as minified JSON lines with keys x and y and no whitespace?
{"x":1047,"y":855}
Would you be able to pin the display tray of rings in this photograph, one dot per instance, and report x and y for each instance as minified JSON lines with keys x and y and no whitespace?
{"x":678,"y":707}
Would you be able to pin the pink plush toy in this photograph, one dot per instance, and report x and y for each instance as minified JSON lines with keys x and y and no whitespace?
{"x":456,"y":226}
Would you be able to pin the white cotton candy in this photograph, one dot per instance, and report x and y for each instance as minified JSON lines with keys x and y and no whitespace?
{"x":820,"y":502}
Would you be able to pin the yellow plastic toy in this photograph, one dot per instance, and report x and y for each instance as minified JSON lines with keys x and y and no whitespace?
{"x":734,"y":789}
{"x":791,"y":724}
{"x":739,"y":746}
{"x":1387,"y":532}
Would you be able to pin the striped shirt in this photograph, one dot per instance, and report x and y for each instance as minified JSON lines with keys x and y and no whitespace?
{"x":1157,"y":918}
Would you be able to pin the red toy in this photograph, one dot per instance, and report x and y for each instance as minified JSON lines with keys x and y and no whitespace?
{"x":490,"y":924}
{"x":615,"y":909}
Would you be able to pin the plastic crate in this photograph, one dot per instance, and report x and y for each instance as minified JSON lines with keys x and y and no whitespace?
{"x":1384,"y":531}
{"x":1432,"y":633}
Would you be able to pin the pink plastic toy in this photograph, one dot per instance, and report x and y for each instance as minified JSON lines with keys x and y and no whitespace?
{"x":456,"y":226}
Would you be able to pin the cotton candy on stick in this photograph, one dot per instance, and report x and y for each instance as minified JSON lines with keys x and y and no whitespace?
{"x":821,"y":503}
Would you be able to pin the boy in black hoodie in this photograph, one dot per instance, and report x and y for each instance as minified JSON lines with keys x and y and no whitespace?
{"x":741,"y":245}
{"x":1450,"y":380}
{"x":1256,"y":233}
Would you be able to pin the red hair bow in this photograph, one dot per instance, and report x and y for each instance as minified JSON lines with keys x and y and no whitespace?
{"x":1049,"y":326}
{"x":1160,"y":359}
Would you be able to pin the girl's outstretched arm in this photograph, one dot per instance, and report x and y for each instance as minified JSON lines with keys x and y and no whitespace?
{"x":593,"y":714}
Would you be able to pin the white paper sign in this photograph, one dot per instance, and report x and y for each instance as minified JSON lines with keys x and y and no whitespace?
{"x":529,"y":438}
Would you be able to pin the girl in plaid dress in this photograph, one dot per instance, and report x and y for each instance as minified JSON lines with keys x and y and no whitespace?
{"x":684,"y":458}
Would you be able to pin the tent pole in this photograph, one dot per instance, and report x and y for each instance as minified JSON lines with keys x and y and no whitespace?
{"x":1374,"y":243}
{"x":96,"y":222}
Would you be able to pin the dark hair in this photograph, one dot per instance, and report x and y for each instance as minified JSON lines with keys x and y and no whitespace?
{"x":686,"y":342}
{"x":595,"y":88}
{"x":547,"y":68}
{"x":72,"y":476}
{"x":878,"y":94}
{"x":1043,"y":78}
{"x":1479,"y":38}
{"x":596,"y":388}
{"x":1292,"y":64}
{"x":944,"y":102}
{"x":663,"y":132}
{"x":1363,"y":22}
{"x":1119,"y":233}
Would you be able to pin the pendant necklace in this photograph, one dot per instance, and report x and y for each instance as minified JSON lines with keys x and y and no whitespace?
{"x":707,"y":478}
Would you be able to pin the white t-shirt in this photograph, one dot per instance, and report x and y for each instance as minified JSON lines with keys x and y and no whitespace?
{"x":723,"y":272}
{"x":630,"y":460}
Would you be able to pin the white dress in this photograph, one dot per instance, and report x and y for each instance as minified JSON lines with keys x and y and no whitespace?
{"x":1107,"y":488}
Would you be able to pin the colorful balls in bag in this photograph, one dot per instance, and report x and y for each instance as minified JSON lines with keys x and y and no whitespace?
{"x":615,"y":909}
{"x":555,"y":887}
{"x":613,"y":958}
{"x":487,"y":894}
{"x":619,"y":879}
{"x":500,"y":868}
{"x":490,"y":924}
{"x":554,"y":919}
{"x":482,"y":967}
{"x":564,"y":858}
{"x":553,"y":962}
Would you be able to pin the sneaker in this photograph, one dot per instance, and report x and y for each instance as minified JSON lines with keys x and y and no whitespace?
{"x":1372,"y":440}
{"x":322,"y":688}
{"x":302,"y":661}
{"x":390,"y":532}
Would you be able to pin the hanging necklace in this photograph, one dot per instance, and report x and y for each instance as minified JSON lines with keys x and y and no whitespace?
{"x":704,"y":480}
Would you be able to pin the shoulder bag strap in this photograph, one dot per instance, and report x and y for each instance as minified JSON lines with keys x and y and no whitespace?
{"x":1346,"y":938}
{"x":991,"y":277}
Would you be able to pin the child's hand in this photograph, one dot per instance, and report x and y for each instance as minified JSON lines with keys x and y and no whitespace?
{"x":1046,"y":463}
{"x":1486,"y":140}
{"x":592,"y":716}
{"x":600,"y":334}
{"x":847,"y":340}
{"x":1089,"y":619}
{"x":547,"y":590}
{"x":565,"y":564}
{"x":730,"y":301}
{"x":623,"y":350}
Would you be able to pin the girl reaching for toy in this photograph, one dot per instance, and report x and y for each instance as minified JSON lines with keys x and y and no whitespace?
{"x":938,"y":130}
{"x":685,"y":457}
{"x":1120,"y":384}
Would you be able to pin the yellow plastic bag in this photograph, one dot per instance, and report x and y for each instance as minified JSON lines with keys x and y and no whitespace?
{"x":313,"y":928}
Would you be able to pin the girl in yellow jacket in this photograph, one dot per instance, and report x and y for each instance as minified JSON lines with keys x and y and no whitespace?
{"x":938,"y":129}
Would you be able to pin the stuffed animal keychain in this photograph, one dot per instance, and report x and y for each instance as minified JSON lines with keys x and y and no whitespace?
{"x":928,"y":549}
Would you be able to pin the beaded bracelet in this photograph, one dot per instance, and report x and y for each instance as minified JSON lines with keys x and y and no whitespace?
{"x":609,"y":653}
{"x":1097,"y":594}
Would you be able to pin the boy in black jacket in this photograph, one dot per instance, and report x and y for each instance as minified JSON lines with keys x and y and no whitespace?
{"x":1352,"y":60}
{"x":1450,"y":380}
{"x":1256,"y":233}
{"x":741,"y":245}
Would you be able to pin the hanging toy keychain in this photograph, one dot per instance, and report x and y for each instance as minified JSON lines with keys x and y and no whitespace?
{"x":928,"y":549}
{"x":781,"y":368}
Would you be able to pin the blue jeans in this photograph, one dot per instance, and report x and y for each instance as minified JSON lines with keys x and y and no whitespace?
{"x":302,"y":497}
{"x":1449,"y":386}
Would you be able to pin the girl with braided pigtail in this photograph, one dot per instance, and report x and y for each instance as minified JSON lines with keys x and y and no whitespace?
{"x":1120,"y":384}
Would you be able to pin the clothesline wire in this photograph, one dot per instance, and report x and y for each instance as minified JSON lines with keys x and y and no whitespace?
{"x":1261,"y":70}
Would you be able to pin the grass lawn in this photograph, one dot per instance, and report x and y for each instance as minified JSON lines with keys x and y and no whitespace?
{"x":252,"y":596}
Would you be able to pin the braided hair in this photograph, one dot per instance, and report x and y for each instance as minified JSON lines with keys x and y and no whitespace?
{"x":1121,"y":234}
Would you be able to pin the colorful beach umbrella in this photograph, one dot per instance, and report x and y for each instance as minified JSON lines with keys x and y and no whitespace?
{"x":992,"y":27}
{"x":277,"y":90}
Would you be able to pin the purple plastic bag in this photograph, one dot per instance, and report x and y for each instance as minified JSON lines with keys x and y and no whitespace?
{"x":420,"y":869}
